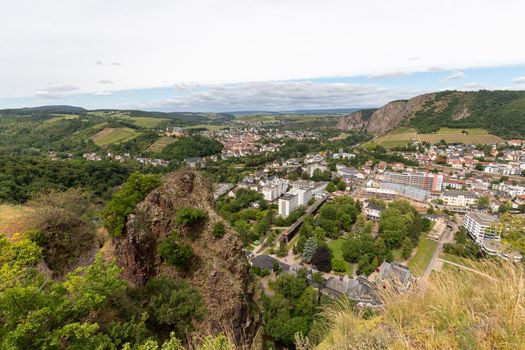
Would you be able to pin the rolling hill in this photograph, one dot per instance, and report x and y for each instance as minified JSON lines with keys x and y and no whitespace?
{"x":501,"y":113}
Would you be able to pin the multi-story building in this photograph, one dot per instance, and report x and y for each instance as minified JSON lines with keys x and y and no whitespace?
{"x":459,"y":198}
{"x":288,"y":203}
{"x":479,"y":226}
{"x":303,"y":195}
{"x":433,"y":182}
{"x":271,"y":193}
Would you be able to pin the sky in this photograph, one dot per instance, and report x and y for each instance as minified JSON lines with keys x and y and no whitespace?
{"x":231,"y":55}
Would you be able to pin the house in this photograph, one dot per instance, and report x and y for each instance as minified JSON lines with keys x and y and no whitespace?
{"x":373,"y":211}
{"x":267,"y":262}
{"x":194,"y":162}
{"x":395,"y":275}
{"x":459,"y":198}
{"x":359,"y":289}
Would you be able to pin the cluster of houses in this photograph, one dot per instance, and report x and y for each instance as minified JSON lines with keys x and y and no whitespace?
{"x":124,"y":158}
{"x":364,"y":291}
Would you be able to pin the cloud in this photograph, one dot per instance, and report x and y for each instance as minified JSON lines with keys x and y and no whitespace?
{"x":103,"y":93}
{"x":102,"y":63}
{"x":519,"y":80}
{"x":387,"y":75}
{"x":105,"y":82}
{"x":475,"y":86}
{"x":281,"y":95}
{"x":454,"y":76}
{"x":55,"y":91}
{"x":435,"y":69}
{"x":415,"y":58}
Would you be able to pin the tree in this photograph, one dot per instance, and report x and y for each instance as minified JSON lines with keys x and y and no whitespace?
{"x":330,"y":187}
{"x":483,"y":202}
{"x":173,"y":304}
{"x":309,"y":249}
{"x":352,"y":250}
{"x":218,"y":230}
{"x":338,"y":265}
{"x":63,"y":226}
{"x":322,"y":259}
{"x":190,"y":216}
{"x":341,"y":186}
{"x":175,"y":253}
{"x":125,"y":199}
{"x":406,"y":248}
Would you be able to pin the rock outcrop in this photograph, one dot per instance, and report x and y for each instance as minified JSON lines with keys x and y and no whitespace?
{"x":220,"y":269}
{"x":385,"y":118}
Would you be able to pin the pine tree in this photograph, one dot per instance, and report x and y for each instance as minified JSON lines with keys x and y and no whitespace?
{"x":309,"y":249}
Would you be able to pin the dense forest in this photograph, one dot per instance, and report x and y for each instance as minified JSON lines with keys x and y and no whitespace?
{"x":500,"y":112}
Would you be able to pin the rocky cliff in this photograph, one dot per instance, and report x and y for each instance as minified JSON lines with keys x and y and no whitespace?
{"x":219,"y":270}
{"x":385,"y":118}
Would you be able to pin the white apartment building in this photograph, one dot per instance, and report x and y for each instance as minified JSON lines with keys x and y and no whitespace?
{"x":287,"y":204}
{"x":459,"y":198}
{"x":478,"y":226}
{"x":303,"y":195}
{"x":271,"y":193}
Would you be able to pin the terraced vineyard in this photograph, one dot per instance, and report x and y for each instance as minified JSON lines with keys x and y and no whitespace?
{"x":404,"y":136}
{"x":159,"y":145}
{"x":114,"y":135}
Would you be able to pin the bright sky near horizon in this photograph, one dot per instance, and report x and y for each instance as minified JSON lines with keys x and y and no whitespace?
{"x":204,"y":55}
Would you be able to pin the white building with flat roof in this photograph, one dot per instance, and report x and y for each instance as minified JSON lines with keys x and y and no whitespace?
{"x":479,"y":226}
{"x":288,"y":203}
{"x":303,"y":195}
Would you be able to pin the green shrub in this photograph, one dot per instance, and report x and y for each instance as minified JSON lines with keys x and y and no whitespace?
{"x":125,"y":199}
{"x":189,"y":216}
{"x":218,"y":230}
{"x":174,"y":253}
{"x":338,"y":265}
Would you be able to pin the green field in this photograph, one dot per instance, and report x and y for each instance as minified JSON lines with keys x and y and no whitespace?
{"x":336,"y":247}
{"x":148,"y":122}
{"x":159,"y":145}
{"x":420,"y":261}
{"x":257,"y":118}
{"x":114,"y":135}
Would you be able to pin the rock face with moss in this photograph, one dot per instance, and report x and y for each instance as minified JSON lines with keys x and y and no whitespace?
{"x":180,"y":212}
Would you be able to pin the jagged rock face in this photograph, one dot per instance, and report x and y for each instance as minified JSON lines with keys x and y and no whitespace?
{"x":385,"y":118}
{"x":220,"y":269}
{"x":354,"y":121}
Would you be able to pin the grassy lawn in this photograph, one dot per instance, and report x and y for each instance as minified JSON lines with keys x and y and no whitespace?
{"x":336,"y":247}
{"x":472,"y":131}
{"x":159,"y":145}
{"x":13,"y":218}
{"x":114,"y":135}
{"x":420,"y":261}
{"x":148,"y":122}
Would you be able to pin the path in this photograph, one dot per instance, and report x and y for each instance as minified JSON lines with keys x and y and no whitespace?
{"x":446,"y":237}
{"x":465,"y":268}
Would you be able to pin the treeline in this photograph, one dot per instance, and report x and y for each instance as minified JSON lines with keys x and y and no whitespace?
{"x":194,"y":146}
{"x":23,"y":177}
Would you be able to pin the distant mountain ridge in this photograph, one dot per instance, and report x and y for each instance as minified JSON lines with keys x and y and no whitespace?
{"x":500,"y":112}
{"x":196,"y":117}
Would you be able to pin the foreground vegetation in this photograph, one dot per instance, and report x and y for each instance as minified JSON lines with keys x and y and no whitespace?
{"x":456,"y":310}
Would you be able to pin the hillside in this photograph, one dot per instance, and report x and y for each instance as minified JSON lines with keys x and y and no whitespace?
{"x":218,"y":268}
{"x":501,"y":113}
{"x":455,"y":310}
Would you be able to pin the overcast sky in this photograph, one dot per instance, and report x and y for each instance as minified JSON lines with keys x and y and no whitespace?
{"x":254,"y":54}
